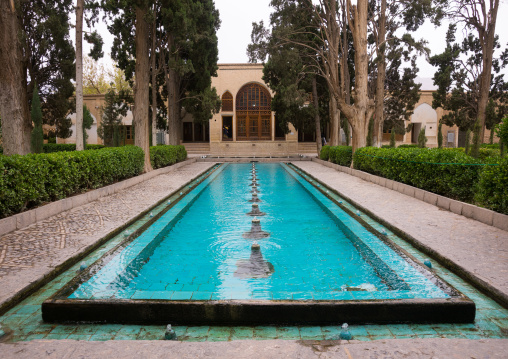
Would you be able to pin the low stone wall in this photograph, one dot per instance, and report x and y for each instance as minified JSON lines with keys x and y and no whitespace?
{"x":24,"y":219}
{"x":483,"y":215}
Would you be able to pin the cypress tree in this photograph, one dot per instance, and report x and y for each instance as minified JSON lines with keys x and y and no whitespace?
{"x":87,"y":123}
{"x":440,"y":136}
{"x":422,"y":139}
{"x":36,"y":114}
{"x":392,"y":138}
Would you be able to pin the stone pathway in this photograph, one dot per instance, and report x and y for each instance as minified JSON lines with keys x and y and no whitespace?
{"x":479,"y":248}
{"x":31,"y":253}
{"x":277,"y":349}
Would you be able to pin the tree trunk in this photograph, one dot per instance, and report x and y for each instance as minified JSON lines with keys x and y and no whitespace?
{"x":334,"y":119}
{"x":487,"y":37}
{"x":16,"y":126}
{"x":381,"y":76}
{"x":173,"y":118}
{"x":154,"y":87}
{"x":79,"y":75}
{"x":362,"y":113}
{"x":316,"y":115}
{"x":141,"y":98}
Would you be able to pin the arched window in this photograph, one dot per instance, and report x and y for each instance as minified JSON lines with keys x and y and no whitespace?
{"x":227,"y":101}
{"x":253,"y":113}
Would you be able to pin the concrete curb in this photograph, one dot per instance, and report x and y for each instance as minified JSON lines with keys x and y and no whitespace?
{"x":483,"y":215}
{"x":24,"y":219}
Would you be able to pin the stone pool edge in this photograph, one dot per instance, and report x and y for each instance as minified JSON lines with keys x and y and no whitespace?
{"x":259,"y":312}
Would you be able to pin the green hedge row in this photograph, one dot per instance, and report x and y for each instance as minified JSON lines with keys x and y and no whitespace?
{"x":448,"y":171}
{"x":166,"y":155}
{"x":492,"y":188}
{"x":62,"y":147}
{"x":30,"y":180}
{"x":341,"y":155}
{"x":66,"y":147}
{"x":27,"y":181}
{"x":437,"y":171}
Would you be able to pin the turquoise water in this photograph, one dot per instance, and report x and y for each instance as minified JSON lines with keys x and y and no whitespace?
{"x":196,"y":251}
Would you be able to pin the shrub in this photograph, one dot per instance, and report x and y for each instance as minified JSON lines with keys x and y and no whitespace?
{"x":492,"y":189}
{"x":341,"y":155}
{"x":325,"y":153}
{"x":408,"y":146}
{"x":65,"y":147}
{"x":483,"y":153}
{"x":422,"y":139}
{"x":440,"y":136}
{"x":392,"y":138}
{"x":166,"y":155}
{"x":492,"y":145}
{"x":33,"y":179}
{"x":434,"y":170}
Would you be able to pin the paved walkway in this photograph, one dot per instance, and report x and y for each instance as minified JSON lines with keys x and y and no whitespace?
{"x":479,"y":248}
{"x":29,"y":254}
{"x":277,"y":349}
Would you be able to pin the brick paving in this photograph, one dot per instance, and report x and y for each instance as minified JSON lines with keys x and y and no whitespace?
{"x":479,"y":248}
{"x":32,"y":252}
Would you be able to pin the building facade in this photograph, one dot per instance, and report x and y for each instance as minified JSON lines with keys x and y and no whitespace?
{"x":247,"y":126}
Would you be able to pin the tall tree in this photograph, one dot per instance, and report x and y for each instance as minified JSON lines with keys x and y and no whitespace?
{"x":459,"y":78}
{"x":387,"y":18}
{"x":115,"y":107}
{"x":478,"y":17}
{"x":190,"y":53}
{"x":141,"y":96}
{"x":16,"y":125}
{"x":48,"y":59}
{"x":80,"y":146}
{"x":289,"y":70}
{"x":130,"y":48}
{"x":95,"y":53}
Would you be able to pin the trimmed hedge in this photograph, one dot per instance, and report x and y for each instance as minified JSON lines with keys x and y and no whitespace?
{"x":341,"y":155}
{"x":492,"y":189}
{"x":166,"y":155}
{"x":484,"y":152}
{"x":66,"y":147}
{"x":62,"y":147}
{"x":434,"y":170}
{"x":325,"y":153}
{"x":30,"y":180}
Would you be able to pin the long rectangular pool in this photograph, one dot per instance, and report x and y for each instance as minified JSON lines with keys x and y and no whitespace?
{"x":257,"y":243}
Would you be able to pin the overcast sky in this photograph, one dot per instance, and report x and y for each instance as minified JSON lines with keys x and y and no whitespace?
{"x":236,"y":25}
